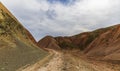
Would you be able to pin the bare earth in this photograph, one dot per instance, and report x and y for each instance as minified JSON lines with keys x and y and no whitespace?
{"x":66,"y":62}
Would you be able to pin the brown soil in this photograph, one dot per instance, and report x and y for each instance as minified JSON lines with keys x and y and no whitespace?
{"x":65,"y":61}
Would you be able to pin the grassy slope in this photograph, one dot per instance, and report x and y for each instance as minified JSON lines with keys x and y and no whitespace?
{"x":12,"y":58}
{"x":17,"y":48}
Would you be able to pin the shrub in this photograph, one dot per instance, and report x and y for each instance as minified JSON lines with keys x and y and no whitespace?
{"x":67,"y":45}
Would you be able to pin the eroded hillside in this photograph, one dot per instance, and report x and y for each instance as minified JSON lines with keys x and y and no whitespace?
{"x":103,"y":43}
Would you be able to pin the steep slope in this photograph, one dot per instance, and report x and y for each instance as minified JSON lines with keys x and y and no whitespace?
{"x":106,"y":45}
{"x":17,"y":46}
{"x":11,"y":26}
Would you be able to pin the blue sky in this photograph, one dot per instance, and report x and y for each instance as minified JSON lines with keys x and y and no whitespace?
{"x":64,"y":2}
{"x":64,"y":17}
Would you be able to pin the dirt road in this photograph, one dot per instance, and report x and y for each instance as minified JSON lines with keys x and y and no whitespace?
{"x":66,"y":62}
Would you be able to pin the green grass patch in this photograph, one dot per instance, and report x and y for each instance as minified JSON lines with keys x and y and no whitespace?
{"x":12,"y":58}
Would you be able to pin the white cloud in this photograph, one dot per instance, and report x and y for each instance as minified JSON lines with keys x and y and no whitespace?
{"x":84,"y":15}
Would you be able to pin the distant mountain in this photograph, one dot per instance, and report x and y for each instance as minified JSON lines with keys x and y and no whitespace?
{"x":17,"y":46}
{"x":103,"y":43}
{"x":49,"y":42}
{"x":80,"y":41}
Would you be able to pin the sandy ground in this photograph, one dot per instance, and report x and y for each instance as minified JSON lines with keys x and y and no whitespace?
{"x":66,"y":62}
{"x":54,"y":64}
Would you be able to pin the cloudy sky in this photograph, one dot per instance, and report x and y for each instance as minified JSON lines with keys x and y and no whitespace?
{"x":64,"y":17}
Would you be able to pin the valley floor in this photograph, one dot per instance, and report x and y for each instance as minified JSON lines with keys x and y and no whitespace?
{"x":63,"y":61}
